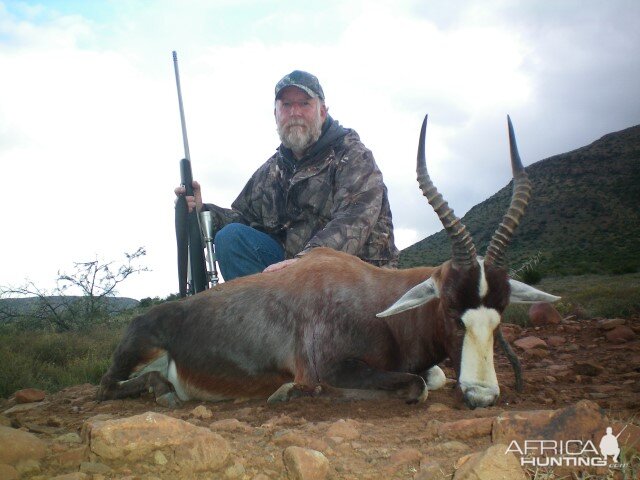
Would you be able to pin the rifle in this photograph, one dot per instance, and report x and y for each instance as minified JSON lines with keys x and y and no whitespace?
{"x":193,"y":275}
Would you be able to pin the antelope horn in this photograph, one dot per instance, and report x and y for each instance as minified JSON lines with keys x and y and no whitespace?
{"x":464,"y":251}
{"x":519,"y":202}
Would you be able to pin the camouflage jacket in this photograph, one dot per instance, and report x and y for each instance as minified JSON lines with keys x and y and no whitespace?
{"x":333,"y":197}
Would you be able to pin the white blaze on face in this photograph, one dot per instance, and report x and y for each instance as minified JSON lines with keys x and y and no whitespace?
{"x":484,"y":285}
{"x":477,"y":373}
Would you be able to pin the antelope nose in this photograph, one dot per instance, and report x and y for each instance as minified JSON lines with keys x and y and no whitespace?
{"x":475,"y":396}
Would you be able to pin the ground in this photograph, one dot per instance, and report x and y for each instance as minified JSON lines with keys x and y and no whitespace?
{"x":379,"y":439}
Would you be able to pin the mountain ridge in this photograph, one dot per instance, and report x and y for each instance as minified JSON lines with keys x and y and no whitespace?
{"x":583,"y":216}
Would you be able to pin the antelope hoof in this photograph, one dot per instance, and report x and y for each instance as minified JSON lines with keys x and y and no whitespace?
{"x":435,"y":378}
{"x":418,"y":392}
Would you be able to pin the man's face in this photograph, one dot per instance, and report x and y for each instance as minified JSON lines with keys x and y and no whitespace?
{"x":299,"y":119}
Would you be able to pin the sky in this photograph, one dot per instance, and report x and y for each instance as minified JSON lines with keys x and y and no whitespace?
{"x":90,"y":136}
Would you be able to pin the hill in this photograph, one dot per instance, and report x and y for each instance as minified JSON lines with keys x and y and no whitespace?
{"x":583,"y":217}
{"x":11,"y":307}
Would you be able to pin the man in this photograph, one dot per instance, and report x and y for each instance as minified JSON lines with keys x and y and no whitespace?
{"x":321,"y":188}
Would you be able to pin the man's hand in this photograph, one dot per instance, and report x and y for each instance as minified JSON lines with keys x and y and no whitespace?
{"x":280,"y":265}
{"x":192,"y":202}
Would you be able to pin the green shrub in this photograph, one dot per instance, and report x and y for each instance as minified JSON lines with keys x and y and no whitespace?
{"x":623,"y":269}
{"x":531,"y":276}
{"x":51,"y":361}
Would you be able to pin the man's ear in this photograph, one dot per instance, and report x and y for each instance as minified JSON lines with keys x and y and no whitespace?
{"x":323,"y":111}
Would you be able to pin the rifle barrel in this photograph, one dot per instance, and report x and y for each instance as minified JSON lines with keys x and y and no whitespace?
{"x":185,"y":140}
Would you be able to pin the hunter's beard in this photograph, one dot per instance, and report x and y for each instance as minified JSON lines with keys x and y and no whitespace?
{"x":297,"y":135}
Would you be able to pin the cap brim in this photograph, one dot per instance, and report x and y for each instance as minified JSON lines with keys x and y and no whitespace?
{"x":305,"y":89}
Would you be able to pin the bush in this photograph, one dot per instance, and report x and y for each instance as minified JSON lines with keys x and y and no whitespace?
{"x":51,"y":361}
{"x":531,"y":276}
{"x":623,"y":269}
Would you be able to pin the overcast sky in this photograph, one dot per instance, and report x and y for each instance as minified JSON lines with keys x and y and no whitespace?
{"x":90,"y":137}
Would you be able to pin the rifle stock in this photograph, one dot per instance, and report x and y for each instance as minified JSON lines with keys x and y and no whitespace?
{"x":196,"y":264}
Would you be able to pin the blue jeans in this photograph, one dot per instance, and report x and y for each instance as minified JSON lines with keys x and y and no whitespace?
{"x":242,"y":250}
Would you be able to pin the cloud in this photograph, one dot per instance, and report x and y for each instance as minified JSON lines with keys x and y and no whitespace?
{"x":90,"y":134}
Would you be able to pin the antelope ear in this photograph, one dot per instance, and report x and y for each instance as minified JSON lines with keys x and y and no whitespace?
{"x":418,"y":295}
{"x":523,"y":293}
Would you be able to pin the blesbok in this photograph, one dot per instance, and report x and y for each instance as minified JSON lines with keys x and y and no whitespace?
{"x":316,"y":326}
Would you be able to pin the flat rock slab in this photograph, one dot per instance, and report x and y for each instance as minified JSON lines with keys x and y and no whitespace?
{"x":585,"y":420}
{"x":17,"y":446}
{"x":140,"y":438}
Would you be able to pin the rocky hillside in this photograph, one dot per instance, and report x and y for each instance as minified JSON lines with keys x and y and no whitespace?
{"x":583,"y":216}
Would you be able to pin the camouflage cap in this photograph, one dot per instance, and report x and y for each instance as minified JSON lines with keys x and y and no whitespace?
{"x":303,"y":80}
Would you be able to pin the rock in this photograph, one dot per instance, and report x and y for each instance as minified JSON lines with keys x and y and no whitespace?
{"x":230,"y":425}
{"x":7,"y":472}
{"x":572,"y":329}
{"x":236,"y":470}
{"x":467,"y":428}
{"x":537,"y":353}
{"x":95,"y":468}
{"x":70,"y":457}
{"x":438,"y":407}
{"x":543,"y":313}
{"x":282,"y":420}
{"x":305,"y":464}
{"x":55,"y":421}
{"x":584,"y":420}
{"x":201,"y":412}
{"x":556,"y":341}
{"x":29,"y":395}
{"x":260,"y":476}
{"x":531,"y":342}
{"x":321,"y":445}
{"x":186,"y":446}
{"x":588,"y":368}
{"x":432,"y":471}
{"x":159,"y":458}
{"x":611,"y":323}
{"x":287,"y":438}
{"x":17,"y":447}
{"x":452,"y":446}
{"x":492,"y":464}
{"x":28,"y":467}
{"x":72,"y":476}
{"x":71,"y":437}
{"x":620,"y":334}
{"x":346,"y":429}
{"x":406,"y":455}
{"x":510,"y":331}
{"x":24,"y":407}
{"x":36,"y":428}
